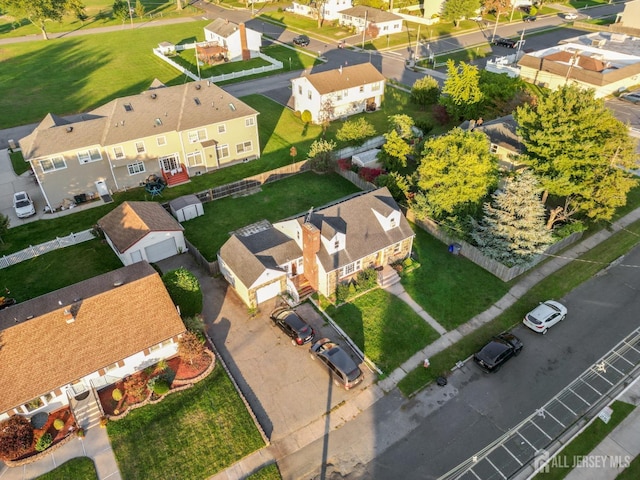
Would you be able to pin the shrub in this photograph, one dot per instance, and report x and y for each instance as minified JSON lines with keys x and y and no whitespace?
{"x":370,"y":174}
{"x":16,"y":437}
{"x":342,"y":292}
{"x":306,"y":116}
{"x":184,"y":289}
{"x":159,"y":385}
{"x":569,"y":228}
{"x":367,"y":279}
{"x":425,"y":91}
{"x":136,"y":387}
{"x":116,"y":394}
{"x":344,"y":164}
{"x":441,"y":115}
{"x":58,"y":424}
{"x":190,"y":347}
{"x":355,"y":131}
{"x":44,"y":442}
{"x":80,"y":433}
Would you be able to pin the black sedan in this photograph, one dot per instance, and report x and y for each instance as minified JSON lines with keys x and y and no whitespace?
{"x":301,"y":41}
{"x":290,"y":323}
{"x":500,"y":349}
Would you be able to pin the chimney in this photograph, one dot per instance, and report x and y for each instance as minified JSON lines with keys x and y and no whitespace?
{"x":310,"y":246}
{"x":340,"y":69}
{"x":68,"y":315}
{"x":244,"y":43}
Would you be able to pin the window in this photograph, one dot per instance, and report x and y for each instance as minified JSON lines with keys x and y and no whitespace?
{"x":161,"y":141}
{"x":92,"y":155}
{"x":375,"y":86}
{"x":309,"y":94}
{"x":135,"y":168}
{"x":249,"y":122}
{"x":197,"y":136}
{"x":397,"y":248}
{"x":140,"y":147}
{"x":336,"y":244}
{"x":52,"y":164}
{"x":392,"y":222}
{"x":222,"y":128}
{"x":494,"y":148}
{"x":350,"y":269}
{"x":194,"y":159}
{"x":361,"y":88}
{"x":244,"y":147}
{"x":111,"y":367}
{"x":223,"y":151}
{"x":118,"y":152}
{"x":155,"y":347}
{"x":34,"y":404}
{"x":299,"y":89}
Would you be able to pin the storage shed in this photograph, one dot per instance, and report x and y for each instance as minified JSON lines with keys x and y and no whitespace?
{"x":367,"y":159}
{"x":186,"y":207}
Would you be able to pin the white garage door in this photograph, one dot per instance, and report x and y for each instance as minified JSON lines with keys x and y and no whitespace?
{"x":164,"y":249}
{"x":265,"y":293}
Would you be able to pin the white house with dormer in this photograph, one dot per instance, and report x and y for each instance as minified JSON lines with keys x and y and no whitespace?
{"x":338,"y":93}
{"x":236,"y":40}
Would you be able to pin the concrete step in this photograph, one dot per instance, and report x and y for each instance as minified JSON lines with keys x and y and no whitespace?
{"x":388,"y":277}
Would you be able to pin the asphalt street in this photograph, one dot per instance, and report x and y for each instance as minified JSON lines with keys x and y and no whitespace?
{"x":449,"y":425}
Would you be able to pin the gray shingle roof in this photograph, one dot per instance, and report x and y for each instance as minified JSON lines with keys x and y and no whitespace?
{"x":222,"y":27}
{"x":373,"y":14}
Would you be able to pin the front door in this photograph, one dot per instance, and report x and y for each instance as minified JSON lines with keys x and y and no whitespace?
{"x":169,"y":163}
{"x":101,"y":186}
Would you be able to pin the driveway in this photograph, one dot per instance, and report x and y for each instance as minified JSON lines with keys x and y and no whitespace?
{"x":11,"y":183}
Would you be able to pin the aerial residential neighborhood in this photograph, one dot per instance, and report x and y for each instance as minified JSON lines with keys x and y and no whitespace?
{"x":276,"y":240}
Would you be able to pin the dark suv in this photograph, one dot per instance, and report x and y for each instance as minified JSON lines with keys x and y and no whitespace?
{"x":301,"y":41}
{"x":290,"y":323}
{"x":342,"y":368}
{"x":505,"y":42}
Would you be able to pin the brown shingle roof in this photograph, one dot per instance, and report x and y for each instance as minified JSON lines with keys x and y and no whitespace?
{"x":222,"y":27}
{"x":583,"y":61}
{"x":132,"y":221}
{"x":343,"y":78}
{"x":111,"y":323}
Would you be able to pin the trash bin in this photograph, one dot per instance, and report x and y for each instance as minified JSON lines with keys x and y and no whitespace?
{"x":454,"y":248}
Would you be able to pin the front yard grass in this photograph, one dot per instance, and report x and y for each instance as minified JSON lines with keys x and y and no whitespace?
{"x":57,"y":269}
{"x":191,"y":434}
{"x":584,"y":443}
{"x":451,"y":288}
{"x":79,"y":468}
{"x":276,"y":201}
{"x":385,"y":328}
{"x":554,"y":286}
{"x":18,"y":163}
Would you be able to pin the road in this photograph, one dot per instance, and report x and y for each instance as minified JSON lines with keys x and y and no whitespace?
{"x":449,"y":425}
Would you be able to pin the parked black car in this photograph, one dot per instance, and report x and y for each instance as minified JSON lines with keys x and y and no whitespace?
{"x":342,"y":368}
{"x":505,"y":42}
{"x":500,"y":349}
{"x":301,"y":41}
{"x":530,"y":18}
{"x":295,"y":327}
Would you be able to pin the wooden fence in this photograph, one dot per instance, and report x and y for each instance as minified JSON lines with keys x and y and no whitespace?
{"x":51,"y":245}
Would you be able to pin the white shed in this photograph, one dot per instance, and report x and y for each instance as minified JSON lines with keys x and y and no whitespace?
{"x":186,"y":207}
{"x":367,"y":159}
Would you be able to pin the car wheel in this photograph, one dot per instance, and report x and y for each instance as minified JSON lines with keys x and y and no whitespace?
{"x":544,"y":332}
{"x":517,"y":352}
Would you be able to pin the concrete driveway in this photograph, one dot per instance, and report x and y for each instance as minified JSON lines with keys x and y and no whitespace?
{"x":11,"y":183}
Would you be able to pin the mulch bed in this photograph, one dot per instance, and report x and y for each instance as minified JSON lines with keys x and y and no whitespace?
{"x":57,"y":435}
{"x":183,"y":371}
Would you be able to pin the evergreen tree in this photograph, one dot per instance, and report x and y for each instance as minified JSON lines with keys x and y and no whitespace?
{"x":513,"y":228}
{"x":578,"y":148}
{"x":462,"y":95}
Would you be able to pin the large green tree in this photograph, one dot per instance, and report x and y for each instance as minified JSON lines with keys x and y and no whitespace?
{"x":38,"y":12}
{"x":578,"y":148}
{"x":395,"y":151}
{"x":456,"y":169}
{"x":456,"y":10}
{"x":461,"y":94}
{"x":513,"y":228}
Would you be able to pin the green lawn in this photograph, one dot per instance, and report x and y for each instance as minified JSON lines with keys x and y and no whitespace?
{"x":80,"y":468}
{"x":553,"y":286}
{"x":58,"y":269}
{"x":385,"y":328}
{"x":18,"y":163}
{"x":632,"y":472}
{"x":270,"y":472}
{"x":585,"y":442}
{"x":275,"y":202}
{"x":90,"y":71}
{"x":451,"y":288}
{"x":192,"y":434}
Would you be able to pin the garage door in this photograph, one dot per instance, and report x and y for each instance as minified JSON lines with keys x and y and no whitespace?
{"x":164,"y":249}
{"x":265,"y":293}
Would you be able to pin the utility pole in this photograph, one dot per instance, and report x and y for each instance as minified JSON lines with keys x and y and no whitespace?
{"x":495,"y":27}
{"x":130,"y":13}
{"x":364,"y":29}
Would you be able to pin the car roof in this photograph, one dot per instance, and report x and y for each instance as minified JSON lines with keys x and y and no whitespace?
{"x":340,"y":359}
{"x":20,"y":195}
{"x":544,"y":310}
{"x":294,"y":321}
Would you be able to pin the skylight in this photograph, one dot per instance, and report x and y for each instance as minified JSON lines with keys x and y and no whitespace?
{"x":128,"y":107}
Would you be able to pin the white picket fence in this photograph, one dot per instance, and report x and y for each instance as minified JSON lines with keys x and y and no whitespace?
{"x":35,"y":251}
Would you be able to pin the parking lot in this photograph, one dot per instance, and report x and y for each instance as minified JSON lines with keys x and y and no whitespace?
{"x":286,"y":388}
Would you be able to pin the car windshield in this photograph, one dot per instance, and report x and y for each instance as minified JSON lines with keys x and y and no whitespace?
{"x":22,"y":203}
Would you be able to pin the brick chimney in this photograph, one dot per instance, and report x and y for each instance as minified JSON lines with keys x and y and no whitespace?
{"x":244,"y":44}
{"x":310,"y":246}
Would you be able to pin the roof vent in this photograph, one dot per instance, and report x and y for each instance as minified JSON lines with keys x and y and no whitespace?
{"x":69,"y":129}
{"x":128,"y":107}
{"x":232,"y":107}
{"x":198,"y":86}
{"x":154,"y":95}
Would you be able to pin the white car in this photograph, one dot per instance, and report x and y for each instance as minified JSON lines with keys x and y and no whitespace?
{"x":476,"y":19}
{"x":570,"y":16}
{"x":23,"y":205}
{"x":545,"y":316}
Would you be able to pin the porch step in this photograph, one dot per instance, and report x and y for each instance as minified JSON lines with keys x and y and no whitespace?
{"x":305,"y":292}
{"x":177,"y":179}
{"x":88,"y":413}
{"x":388,"y":277}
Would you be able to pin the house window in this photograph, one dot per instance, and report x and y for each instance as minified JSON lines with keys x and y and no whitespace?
{"x":350,"y":268}
{"x":385,"y":28}
{"x":194,"y":159}
{"x":375,"y":86}
{"x":92,"y":155}
{"x":222,"y":128}
{"x":309,"y":94}
{"x":336,"y":244}
{"x":34,"y":404}
{"x":494,"y":148}
{"x":249,"y":122}
{"x":244,"y":147}
{"x":198,"y":136}
{"x":135,"y":168}
{"x":223,"y":151}
{"x":397,"y":248}
{"x":140,"y":147}
{"x":299,"y":89}
{"x":393,"y":223}
{"x":52,"y":164}
{"x":155,"y":347}
{"x":166,"y":343}
{"x":118,"y":152}
{"x":361,"y":88}
{"x":161,"y":141}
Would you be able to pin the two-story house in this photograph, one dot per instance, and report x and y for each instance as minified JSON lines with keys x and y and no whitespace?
{"x":362,"y":18}
{"x":235,"y":40}
{"x":338,"y":93}
{"x":329,"y":9}
{"x":320,"y":249}
{"x":64,"y":345}
{"x":174,"y":132}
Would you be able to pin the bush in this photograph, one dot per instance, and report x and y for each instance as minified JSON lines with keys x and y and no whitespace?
{"x":116,"y":394}
{"x":44,"y":442}
{"x":441,"y":115}
{"x":159,"y":385}
{"x":184,"y":289}
{"x":16,"y":437}
{"x":306,"y":116}
{"x":344,"y":164}
{"x":342,"y":292}
{"x":367,"y":279}
{"x":370,"y":174}
{"x":355,"y":131}
{"x":58,"y":424}
{"x":569,"y":228}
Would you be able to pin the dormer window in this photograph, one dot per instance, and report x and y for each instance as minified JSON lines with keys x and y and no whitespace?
{"x":392,"y":222}
{"x":336,"y":244}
